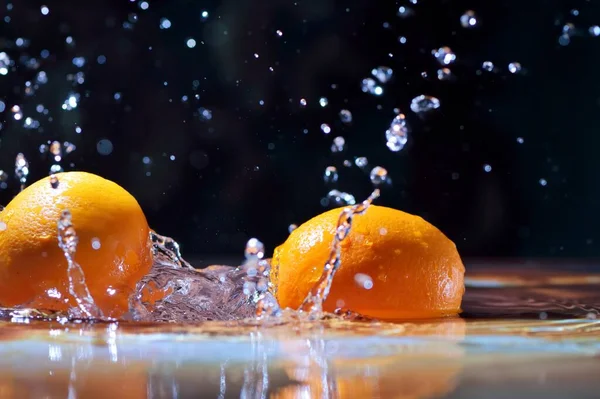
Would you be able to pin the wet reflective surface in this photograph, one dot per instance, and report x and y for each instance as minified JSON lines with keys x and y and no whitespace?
{"x":524,"y":333}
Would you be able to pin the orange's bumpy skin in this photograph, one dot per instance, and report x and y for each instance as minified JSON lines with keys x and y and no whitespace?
{"x":415,"y":269}
{"x":33,"y":269}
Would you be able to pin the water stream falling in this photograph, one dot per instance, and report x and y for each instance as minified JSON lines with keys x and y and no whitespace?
{"x":67,"y":241}
{"x":313,"y":303}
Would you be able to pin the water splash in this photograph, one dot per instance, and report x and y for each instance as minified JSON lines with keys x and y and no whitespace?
{"x":67,"y":241}
{"x":168,"y":247}
{"x":313,"y":303}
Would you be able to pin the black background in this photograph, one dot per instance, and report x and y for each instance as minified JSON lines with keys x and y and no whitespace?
{"x":251,"y":170}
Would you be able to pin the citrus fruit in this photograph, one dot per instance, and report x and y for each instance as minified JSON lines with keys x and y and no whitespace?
{"x":114,"y":248}
{"x":393,"y":266}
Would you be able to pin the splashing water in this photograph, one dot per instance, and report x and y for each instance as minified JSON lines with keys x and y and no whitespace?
{"x":313,"y":303}
{"x":67,"y":241}
{"x":168,"y":247}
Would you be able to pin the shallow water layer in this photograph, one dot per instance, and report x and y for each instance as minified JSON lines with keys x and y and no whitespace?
{"x":525,"y":332}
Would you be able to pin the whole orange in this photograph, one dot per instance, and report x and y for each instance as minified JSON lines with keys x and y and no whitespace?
{"x":114,"y":249}
{"x":393,"y":266}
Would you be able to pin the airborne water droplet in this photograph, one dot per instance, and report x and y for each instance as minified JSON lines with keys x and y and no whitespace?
{"x":514,"y":67}
{"x":254,"y":249}
{"x":368,"y":85}
{"x":444,"y":55}
{"x":378,"y":175}
{"x":468,"y":19}
{"x":423,"y":103}
{"x":361,"y":162}
{"x":346,"y":116}
{"x":487,"y":66}
{"x":338,"y":144}
{"x":331,"y":174}
{"x":382,"y":73}
{"x":325,"y":128}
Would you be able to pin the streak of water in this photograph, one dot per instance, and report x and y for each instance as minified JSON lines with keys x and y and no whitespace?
{"x":313,"y":303}
{"x":67,"y":241}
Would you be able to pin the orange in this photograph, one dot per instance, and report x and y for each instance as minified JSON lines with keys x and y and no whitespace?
{"x":412,"y":270}
{"x":114,"y":249}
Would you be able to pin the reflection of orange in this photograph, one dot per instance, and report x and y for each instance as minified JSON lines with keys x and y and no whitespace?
{"x":100,"y":381}
{"x":394,"y":265}
{"x":114,"y":248}
{"x":411,"y":371}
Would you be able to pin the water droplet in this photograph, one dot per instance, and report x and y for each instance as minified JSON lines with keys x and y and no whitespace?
{"x":368,"y":85}
{"x":543,"y":182}
{"x":191,"y":43}
{"x":341,"y":198}
{"x":520,"y":140}
{"x":514,"y":67}
{"x":96,"y":243}
{"x":44,"y":10}
{"x":444,"y":74}
{"x":338,"y":144}
{"x":292,"y":227}
{"x":487,"y":66}
{"x":21,"y":169}
{"x":17,"y":113}
{"x":594,"y":30}
{"x":423,"y":104}
{"x":378,"y":175}
{"x":361,"y":162}
{"x":487,"y":168}
{"x":564,"y":39}
{"x":404,"y":12}
{"x":56,"y":168}
{"x":346,"y":116}
{"x":468,"y":19}
{"x":56,"y":150}
{"x":325,"y":128}
{"x":104,"y":147}
{"x":444,"y":55}
{"x":323,"y":102}
{"x":331,"y":174}
{"x":279,"y":33}
{"x":54,"y":181}
{"x":303,"y":102}
{"x":382,"y":73}
{"x":397,"y":134}
{"x":2,"y":226}
{"x":255,"y":249}
{"x":204,"y":15}
{"x":363,"y":280}
{"x":165,"y":23}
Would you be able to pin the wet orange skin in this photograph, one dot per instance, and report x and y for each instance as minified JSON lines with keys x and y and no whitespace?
{"x":415,"y":269}
{"x":33,"y":269}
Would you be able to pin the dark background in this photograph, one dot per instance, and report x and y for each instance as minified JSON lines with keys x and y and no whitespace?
{"x":251,"y":170}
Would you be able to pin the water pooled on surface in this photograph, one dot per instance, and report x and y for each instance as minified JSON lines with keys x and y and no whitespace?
{"x":313,"y":303}
{"x":67,"y":241}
